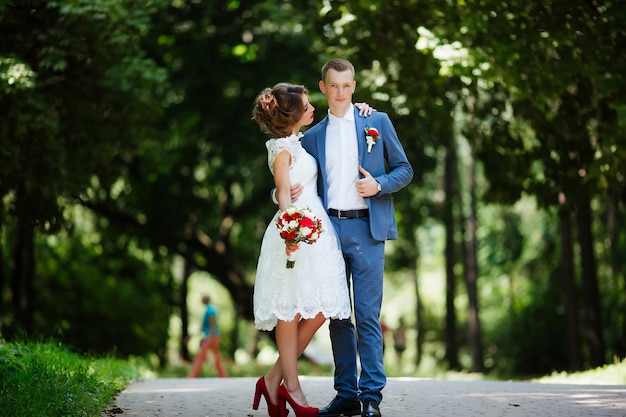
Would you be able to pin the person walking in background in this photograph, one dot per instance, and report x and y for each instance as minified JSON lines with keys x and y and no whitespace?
{"x":295,"y":300}
{"x":210,"y":341}
{"x":399,"y":340}
{"x":384,"y":329}
{"x":361,"y":164}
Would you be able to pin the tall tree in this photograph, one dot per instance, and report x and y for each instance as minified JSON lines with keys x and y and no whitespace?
{"x":575,"y":360}
{"x":406,"y":81}
{"x":201,"y":188}
{"x":451,"y":251}
{"x":78,"y":91}
{"x":554,"y":73}
{"x":472,"y":273}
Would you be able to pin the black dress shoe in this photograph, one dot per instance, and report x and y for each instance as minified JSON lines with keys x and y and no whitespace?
{"x":370,"y":409}
{"x":341,"y":407}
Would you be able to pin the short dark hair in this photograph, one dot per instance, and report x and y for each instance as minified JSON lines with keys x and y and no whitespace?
{"x":338,"y":65}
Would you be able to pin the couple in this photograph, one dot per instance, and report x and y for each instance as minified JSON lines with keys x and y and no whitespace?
{"x":346,"y":176}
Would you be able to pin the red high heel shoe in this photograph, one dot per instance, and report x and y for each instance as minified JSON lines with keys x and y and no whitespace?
{"x":272,"y":409}
{"x":301,"y":411}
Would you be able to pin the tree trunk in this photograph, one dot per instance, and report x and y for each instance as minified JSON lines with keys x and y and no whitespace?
{"x":614,"y":219}
{"x":471,"y":278}
{"x":184,"y":312}
{"x":591,"y":294}
{"x":451,"y":354}
{"x":2,"y":273}
{"x":569,"y":291}
{"x":234,"y":335}
{"x":23,"y":274}
{"x":419,"y":316}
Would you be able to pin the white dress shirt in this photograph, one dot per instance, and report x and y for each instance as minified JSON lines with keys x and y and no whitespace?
{"x":342,"y":162}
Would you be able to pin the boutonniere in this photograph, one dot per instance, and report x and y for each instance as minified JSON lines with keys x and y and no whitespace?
{"x":371,"y":136}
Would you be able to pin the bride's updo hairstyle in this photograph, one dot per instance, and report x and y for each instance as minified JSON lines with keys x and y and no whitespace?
{"x":278,"y":109}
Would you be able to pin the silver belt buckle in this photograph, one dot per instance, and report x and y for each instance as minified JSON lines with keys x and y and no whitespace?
{"x":340,"y":216}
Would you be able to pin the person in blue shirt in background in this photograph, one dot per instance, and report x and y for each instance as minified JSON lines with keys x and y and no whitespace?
{"x":210,"y":341}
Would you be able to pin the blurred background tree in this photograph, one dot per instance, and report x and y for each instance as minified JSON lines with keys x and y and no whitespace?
{"x":129,"y":165}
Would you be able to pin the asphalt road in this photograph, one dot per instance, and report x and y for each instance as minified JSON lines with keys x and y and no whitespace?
{"x":403,"y":397}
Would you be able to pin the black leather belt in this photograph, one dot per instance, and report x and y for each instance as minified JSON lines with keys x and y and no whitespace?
{"x":349,"y":214}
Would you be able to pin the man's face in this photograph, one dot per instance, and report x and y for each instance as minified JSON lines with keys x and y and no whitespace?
{"x":338,"y":88}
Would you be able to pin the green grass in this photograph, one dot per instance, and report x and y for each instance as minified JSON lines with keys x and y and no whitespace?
{"x":46,"y":379}
{"x":612,"y":374}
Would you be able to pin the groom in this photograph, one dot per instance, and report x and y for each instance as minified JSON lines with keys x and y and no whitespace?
{"x":356,"y":189}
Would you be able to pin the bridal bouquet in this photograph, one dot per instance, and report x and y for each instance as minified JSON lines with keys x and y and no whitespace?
{"x":298,"y":224}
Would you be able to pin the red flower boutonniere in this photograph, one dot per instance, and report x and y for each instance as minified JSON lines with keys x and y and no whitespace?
{"x":371,"y":135}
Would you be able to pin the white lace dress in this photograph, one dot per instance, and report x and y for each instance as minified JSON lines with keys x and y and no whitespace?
{"x":317,"y":283}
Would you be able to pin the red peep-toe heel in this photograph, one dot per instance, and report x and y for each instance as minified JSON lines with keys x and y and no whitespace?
{"x":261,"y":389}
{"x":301,"y":411}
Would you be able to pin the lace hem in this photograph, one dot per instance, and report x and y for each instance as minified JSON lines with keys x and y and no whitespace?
{"x":268,"y":322}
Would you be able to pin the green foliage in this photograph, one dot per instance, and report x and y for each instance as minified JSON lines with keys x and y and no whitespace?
{"x":78,"y":88}
{"x":101,"y":294}
{"x":46,"y":379}
{"x":77,"y":98}
{"x":610,"y":374}
{"x":532,"y":339}
{"x":200,"y":188}
{"x":4,"y":4}
{"x":557,"y":74}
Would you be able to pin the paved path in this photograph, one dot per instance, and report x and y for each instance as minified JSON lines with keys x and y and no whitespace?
{"x":404,"y":397}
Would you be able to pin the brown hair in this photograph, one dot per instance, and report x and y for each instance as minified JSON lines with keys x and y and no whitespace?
{"x":278,"y":109}
{"x":338,"y":65}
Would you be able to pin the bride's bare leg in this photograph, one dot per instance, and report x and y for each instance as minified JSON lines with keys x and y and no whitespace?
{"x":287,"y":341}
{"x":305,"y":331}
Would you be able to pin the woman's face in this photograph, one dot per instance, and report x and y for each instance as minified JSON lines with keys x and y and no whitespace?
{"x":307,"y":117}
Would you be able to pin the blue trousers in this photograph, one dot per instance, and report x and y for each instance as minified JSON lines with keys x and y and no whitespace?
{"x":365,"y":260}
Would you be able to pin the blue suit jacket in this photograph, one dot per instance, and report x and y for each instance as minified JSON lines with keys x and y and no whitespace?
{"x":387,"y":152}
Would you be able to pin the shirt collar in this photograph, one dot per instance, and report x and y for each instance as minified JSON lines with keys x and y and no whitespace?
{"x":348,"y":117}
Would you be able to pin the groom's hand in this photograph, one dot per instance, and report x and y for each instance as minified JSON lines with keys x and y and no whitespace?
{"x":366,"y":186}
{"x":296,"y":191}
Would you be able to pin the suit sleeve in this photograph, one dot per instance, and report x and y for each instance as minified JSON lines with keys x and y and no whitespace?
{"x":400,"y":170}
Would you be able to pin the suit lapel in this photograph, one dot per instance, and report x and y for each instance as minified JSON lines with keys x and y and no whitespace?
{"x":320,"y":146}
{"x":359,"y":124}
{"x":320,"y":143}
